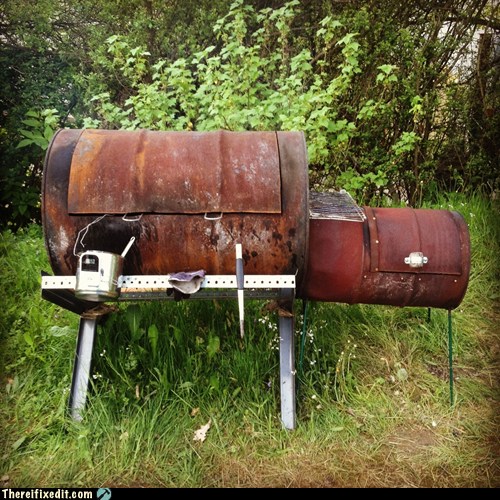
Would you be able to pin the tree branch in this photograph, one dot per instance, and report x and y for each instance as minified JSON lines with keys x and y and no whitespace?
{"x":476,"y":21}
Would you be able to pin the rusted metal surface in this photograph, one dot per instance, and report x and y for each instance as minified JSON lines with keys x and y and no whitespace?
{"x":396,"y":232}
{"x":260,"y":186}
{"x":119,"y":172}
{"x":356,"y":262}
{"x":169,"y":182}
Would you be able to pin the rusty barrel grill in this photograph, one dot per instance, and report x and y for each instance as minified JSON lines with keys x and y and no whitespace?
{"x":187,"y":199}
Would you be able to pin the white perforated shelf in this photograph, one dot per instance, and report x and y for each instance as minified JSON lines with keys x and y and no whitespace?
{"x":149,"y":282}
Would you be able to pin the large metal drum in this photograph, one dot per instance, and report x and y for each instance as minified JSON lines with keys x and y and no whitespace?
{"x":397,"y":256}
{"x":186,"y":197}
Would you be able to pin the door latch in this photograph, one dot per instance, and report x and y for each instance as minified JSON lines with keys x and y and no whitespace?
{"x":416,"y":259}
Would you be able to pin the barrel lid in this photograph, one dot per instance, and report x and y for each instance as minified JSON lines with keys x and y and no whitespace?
{"x":120,"y":172}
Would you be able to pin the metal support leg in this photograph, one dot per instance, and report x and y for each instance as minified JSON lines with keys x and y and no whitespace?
{"x":287,"y":370}
{"x":81,"y":369}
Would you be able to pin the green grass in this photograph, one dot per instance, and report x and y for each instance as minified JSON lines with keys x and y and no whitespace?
{"x":373,"y":394}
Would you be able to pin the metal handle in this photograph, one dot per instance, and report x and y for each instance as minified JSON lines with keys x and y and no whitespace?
{"x":416,"y":259}
{"x":206,"y":217}
{"x":127,"y":248}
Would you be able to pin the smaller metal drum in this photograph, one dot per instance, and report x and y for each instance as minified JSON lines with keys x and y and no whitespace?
{"x":397,"y":256}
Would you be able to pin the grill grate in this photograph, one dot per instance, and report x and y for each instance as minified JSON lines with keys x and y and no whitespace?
{"x":337,"y":205}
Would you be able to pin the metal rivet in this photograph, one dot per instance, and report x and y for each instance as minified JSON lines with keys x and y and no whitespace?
{"x":376,"y":241}
{"x":376,"y":269}
{"x":455,"y":281}
{"x":364,"y":276}
{"x":374,"y":218}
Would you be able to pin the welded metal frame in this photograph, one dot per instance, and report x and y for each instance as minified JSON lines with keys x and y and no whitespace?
{"x":60,"y":290}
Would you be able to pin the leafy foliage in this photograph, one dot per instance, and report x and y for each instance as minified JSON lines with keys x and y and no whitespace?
{"x":396,"y":101}
{"x":254,"y":80}
{"x":40,"y":127}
